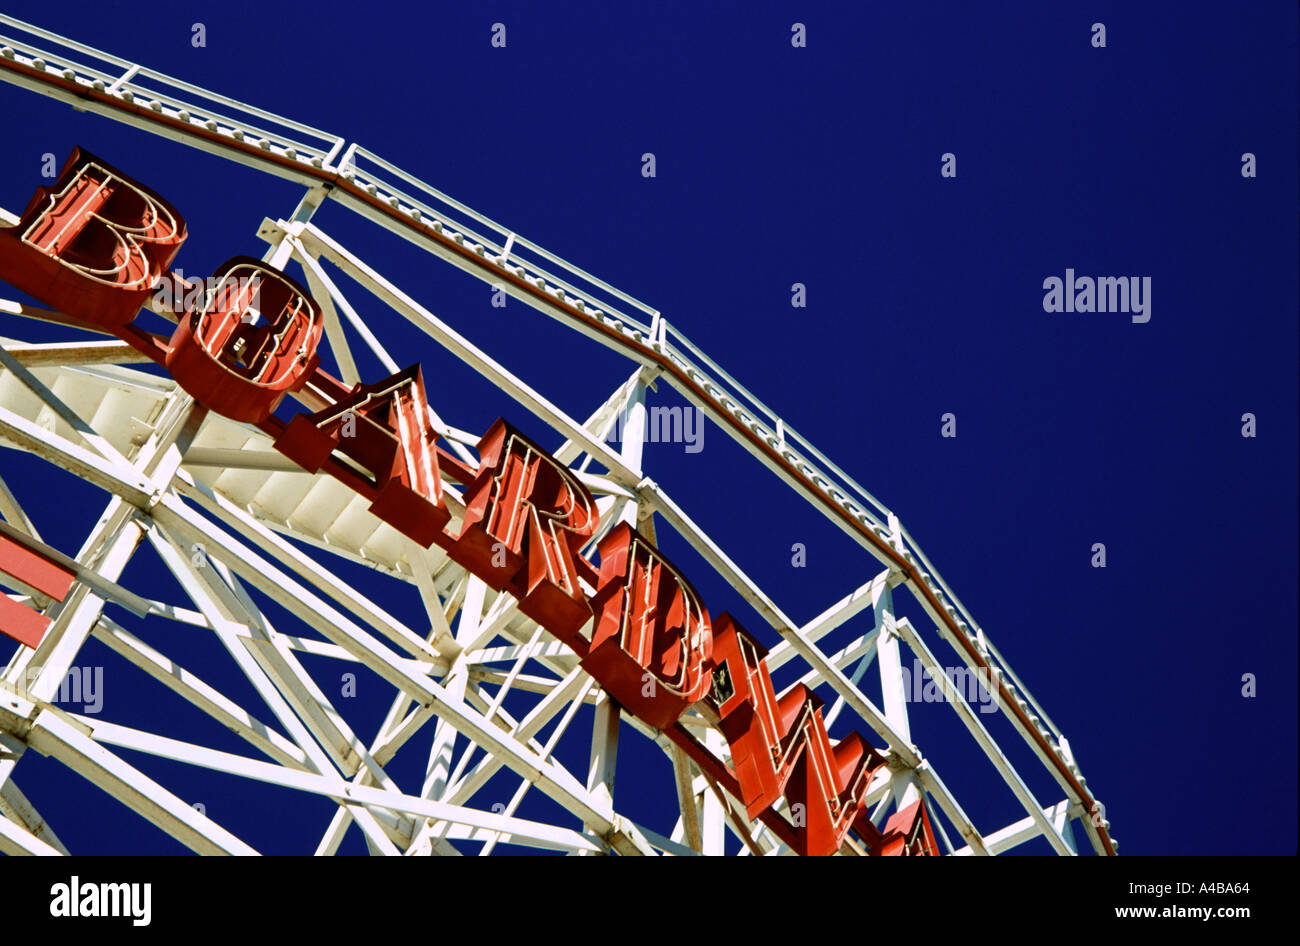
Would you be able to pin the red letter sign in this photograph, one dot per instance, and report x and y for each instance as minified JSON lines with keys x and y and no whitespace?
{"x":652,"y":644}
{"x":524,"y":507}
{"x":779,"y":745}
{"x":252,"y":340}
{"x":93,"y":245}
{"x":907,"y":833}
{"x":830,"y":782}
{"x":762,"y":733}
{"x":385,"y":428}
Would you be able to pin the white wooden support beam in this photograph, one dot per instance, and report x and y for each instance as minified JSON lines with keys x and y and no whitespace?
{"x":50,"y":354}
{"x":981,"y":735}
{"x":15,"y":806}
{"x":16,"y":840}
{"x":318,"y":244}
{"x":53,"y":735}
{"x":1026,"y":829}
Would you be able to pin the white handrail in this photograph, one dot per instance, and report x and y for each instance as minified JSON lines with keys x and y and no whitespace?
{"x":841,"y":489}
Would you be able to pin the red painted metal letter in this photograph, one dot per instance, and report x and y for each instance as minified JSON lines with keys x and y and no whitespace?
{"x":779,"y":745}
{"x":384,"y":427}
{"x":907,"y":833}
{"x":252,"y":340}
{"x":93,"y":244}
{"x":762,"y":733}
{"x":830,"y":782}
{"x":652,"y":644}
{"x":526,"y":508}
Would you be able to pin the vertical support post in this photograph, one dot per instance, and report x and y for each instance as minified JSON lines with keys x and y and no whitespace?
{"x":604,"y":752}
{"x":713,"y":831}
{"x":632,"y":433}
{"x":604,"y":749}
{"x":280,"y":251}
{"x":444,"y":734}
{"x":894,"y":692}
{"x":684,"y":777}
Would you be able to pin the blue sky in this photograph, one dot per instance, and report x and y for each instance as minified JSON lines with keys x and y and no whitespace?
{"x":821,"y":165}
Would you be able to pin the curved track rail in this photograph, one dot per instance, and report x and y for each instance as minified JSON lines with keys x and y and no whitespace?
{"x":91,"y":80}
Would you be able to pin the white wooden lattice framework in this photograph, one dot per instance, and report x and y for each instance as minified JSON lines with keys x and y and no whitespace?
{"x":236,"y":523}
